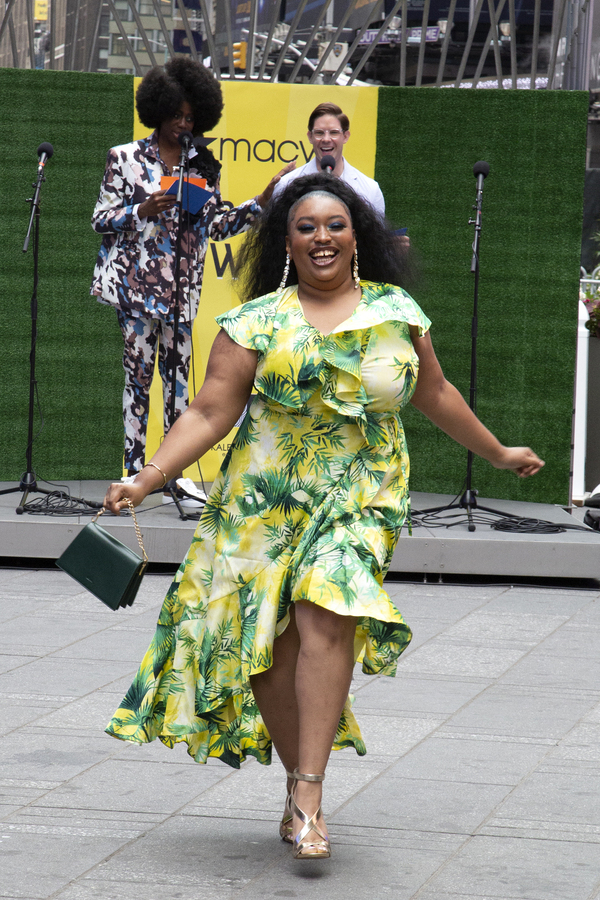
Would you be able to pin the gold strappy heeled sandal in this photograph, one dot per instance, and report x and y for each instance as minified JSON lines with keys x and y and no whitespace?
{"x":285,"y":826}
{"x":309,"y":849}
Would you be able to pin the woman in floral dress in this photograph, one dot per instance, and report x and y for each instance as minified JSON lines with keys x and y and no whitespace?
{"x":281,"y":590}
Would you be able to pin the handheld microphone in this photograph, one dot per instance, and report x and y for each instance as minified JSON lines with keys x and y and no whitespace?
{"x":44,"y":152}
{"x":327,"y":164}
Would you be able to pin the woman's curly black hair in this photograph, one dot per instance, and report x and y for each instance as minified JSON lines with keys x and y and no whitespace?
{"x":162,"y":91}
{"x":260,"y":262}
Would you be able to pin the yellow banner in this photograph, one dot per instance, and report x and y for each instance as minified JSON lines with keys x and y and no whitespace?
{"x":263,"y":127}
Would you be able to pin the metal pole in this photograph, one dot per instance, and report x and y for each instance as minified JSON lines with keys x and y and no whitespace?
{"x":403,"y":40}
{"x":163,"y":25}
{"x":355,"y":43}
{"x":188,"y":30}
{"x":422,"y":44}
{"x":351,"y":8}
{"x":142,"y":31}
{"x":288,"y":39}
{"x":536,"y":41}
{"x":30,"y":32}
{"x":212,"y":49}
{"x":251,"y":48}
{"x":444,"y":54}
{"x":374,"y":43}
{"x":7,"y":14}
{"x":467,"y":50}
{"x":267,"y":48}
{"x":126,"y":41}
{"x":94,"y":42}
{"x":494,"y":16}
{"x":311,"y":38}
{"x":513,"y":42}
{"x":558,"y":24}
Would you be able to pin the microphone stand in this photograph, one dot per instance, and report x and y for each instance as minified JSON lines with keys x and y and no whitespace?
{"x":28,"y":483}
{"x":468,"y":500}
{"x":184,"y":169}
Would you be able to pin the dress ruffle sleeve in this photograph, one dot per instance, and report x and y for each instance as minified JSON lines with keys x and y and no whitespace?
{"x":251,"y":324}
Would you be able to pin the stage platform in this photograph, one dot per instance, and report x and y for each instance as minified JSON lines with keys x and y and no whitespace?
{"x":430,"y":551}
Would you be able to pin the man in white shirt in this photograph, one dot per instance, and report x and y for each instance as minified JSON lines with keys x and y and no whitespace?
{"x":328,"y":131}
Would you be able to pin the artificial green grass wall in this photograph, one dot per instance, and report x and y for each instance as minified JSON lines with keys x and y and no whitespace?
{"x":427,"y":144}
{"x":79,"y":371}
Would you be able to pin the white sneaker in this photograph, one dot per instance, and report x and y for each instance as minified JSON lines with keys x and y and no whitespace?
{"x":127,"y":479}
{"x":193,"y":492}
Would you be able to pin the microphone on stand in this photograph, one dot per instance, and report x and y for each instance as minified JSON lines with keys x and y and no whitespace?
{"x":481,"y":170}
{"x":327,"y":164}
{"x":44,"y":152}
{"x":185,"y":139}
{"x":186,"y":142}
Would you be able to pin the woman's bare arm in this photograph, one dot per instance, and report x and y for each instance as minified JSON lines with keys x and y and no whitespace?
{"x":444,"y":405}
{"x":210,"y":416}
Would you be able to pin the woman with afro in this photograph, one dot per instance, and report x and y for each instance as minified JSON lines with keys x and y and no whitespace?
{"x":138,"y":223}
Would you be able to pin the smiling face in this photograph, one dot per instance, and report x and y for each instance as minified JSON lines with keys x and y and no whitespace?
{"x":328,"y":139}
{"x":321,"y":242}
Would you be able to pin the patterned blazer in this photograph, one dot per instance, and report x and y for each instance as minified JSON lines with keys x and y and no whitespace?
{"x":135,"y":266}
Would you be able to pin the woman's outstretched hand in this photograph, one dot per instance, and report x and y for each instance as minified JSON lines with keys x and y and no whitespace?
{"x":522,"y":460}
{"x":263,"y":199}
{"x":118,"y":494}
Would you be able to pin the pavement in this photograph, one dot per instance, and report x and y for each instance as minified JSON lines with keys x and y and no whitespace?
{"x":481,"y":782}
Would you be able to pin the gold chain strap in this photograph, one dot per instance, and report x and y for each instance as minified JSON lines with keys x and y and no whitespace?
{"x":138,"y":532}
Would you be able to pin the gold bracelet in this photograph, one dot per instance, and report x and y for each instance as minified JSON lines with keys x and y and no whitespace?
{"x":158,"y":470}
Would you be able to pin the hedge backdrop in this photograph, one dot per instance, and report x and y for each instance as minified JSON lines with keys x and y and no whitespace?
{"x":427,"y":143}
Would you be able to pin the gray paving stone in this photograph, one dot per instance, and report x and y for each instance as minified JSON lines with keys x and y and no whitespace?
{"x":541,"y":602}
{"x":420,"y":804}
{"x":520,"y":710}
{"x":459,"y":758}
{"x":560,"y":798}
{"x":481,"y":782}
{"x":393,"y":735}
{"x":514,"y":869}
{"x":189,"y":855}
{"x":50,"y":757}
{"x":542,"y":668}
{"x":416,"y":693}
{"x":115,"y":643}
{"x":14,"y":713}
{"x":133,"y":784}
{"x":90,"y":712}
{"x":485,"y":626}
{"x":9,"y":661}
{"x":445,"y":657}
{"x":51,"y":677}
{"x":19,"y":634}
{"x":59,"y":858}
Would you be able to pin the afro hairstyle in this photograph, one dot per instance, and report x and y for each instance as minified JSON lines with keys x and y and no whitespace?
{"x":162,"y":91}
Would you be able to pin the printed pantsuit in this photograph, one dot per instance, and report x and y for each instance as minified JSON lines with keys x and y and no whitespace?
{"x":135,"y":273}
{"x":141,"y":335}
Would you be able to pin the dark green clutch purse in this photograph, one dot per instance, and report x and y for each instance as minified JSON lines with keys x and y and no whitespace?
{"x":104,"y":565}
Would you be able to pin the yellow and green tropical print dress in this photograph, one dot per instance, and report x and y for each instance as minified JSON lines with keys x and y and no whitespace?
{"x":308,"y":505}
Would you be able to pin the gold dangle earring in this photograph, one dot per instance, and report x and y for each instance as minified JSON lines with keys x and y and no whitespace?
{"x":355,"y":274}
{"x":286,"y":272}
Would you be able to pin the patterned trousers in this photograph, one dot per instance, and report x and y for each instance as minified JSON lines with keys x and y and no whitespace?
{"x":141,"y":335}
